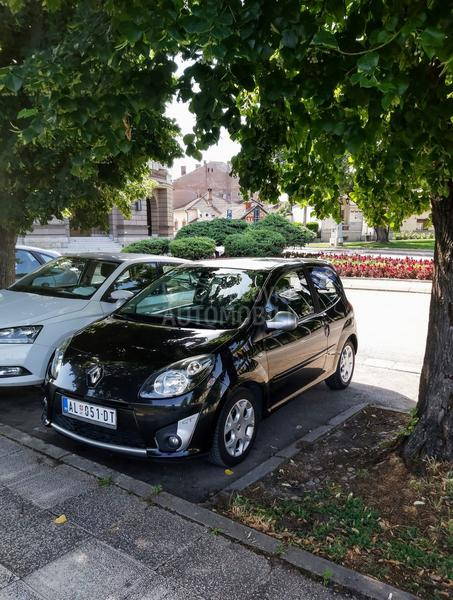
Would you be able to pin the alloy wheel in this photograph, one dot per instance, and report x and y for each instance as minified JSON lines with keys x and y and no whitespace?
{"x":346,"y":363}
{"x":239,"y":427}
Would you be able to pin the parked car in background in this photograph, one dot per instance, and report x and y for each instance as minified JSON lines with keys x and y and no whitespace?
{"x":192,"y":363}
{"x":29,"y":258}
{"x":41,"y":309}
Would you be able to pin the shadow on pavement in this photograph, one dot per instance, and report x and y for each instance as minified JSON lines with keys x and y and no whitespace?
{"x":196,"y":480}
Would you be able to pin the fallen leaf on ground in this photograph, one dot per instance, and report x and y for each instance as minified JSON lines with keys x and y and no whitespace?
{"x":228,"y":472}
{"x":61,"y":520}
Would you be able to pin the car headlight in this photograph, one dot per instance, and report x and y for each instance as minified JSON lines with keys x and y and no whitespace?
{"x":178,"y":378}
{"x":57,"y":360}
{"x":26,"y":334}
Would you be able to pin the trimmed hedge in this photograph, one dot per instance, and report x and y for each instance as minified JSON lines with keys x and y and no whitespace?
{"x":255,"y":242}
{"x":294,"y":234}
{"x":193,"y":248}
{"x":217,"y":229}
{"x":312,"y":226}
{"x":149,"y":246}
{"x":414,"y":235}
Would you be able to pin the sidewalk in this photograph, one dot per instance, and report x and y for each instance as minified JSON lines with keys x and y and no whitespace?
{"x":114,"y":545}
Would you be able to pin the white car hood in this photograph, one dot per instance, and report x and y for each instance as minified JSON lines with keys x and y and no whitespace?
{"x":23,"y":308}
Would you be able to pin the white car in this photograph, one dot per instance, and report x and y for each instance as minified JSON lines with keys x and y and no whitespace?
{"x":29,"y":258}
{"x":43,"y":308}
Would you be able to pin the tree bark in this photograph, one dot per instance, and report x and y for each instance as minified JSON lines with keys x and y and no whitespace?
{"x":433,"y":433}
{"x":7,"y":257}
{"x":382,"y":234}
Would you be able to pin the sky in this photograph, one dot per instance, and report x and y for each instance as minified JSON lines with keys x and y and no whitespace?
{"x":179,"y":111}
{"x":223,"y":151}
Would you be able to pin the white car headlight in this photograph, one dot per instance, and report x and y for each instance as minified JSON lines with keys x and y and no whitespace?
{"x":57,"y":361}
{"x":178,"y":378}
{"x":26,"y":334}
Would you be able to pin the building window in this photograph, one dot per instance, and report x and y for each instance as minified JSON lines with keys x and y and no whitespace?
{"x":422,"y":224}
{"x":176,"y":225}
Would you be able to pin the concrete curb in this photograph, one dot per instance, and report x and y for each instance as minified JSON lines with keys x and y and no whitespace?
{"x":363,"y":251}
{"x":413,"y":286}
{"x":389,"y":365}
{"x":279,"y":457}
{"x":311,"y":565}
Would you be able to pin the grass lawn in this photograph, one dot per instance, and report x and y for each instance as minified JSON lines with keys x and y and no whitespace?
{"x":393,"y":244}
{"x":351,"y":499}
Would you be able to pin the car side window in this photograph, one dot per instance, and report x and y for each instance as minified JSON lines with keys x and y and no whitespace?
{"x":168,"y":267}
{"x":327,"y":284}
{"x":291,"y":293}
{"x":46,"y":257}
{"x":25,"y":263}
{"x":136,"y":277}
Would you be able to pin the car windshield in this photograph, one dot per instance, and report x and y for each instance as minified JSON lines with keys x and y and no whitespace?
{"x":204,"y":297}
{"x":67,"y":277}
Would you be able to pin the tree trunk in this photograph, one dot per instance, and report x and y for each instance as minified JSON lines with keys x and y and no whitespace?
{"x":382,"y":234}
{"x":433,"y":433}
{"x":7,"y":257}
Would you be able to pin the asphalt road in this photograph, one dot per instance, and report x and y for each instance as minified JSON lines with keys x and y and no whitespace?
{"x":392,"y":326}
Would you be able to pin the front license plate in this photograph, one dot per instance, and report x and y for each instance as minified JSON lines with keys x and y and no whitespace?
{"x":101,"y":415}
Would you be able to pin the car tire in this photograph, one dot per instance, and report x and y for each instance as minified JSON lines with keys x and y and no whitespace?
{"x":345,"y":368}
{"x":233,"y":436}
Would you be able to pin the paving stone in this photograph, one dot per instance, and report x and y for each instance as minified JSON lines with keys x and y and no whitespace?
{"x":19,"y":465}
{"x":14,"y":508}
{"x":99,"y":508}
{"x":8,"y":446}
{"x":148,"y":533}
{"x":6,"y":577}
{"x":53,"y":486}
{"x":287,"y":584}
{"x":35,"y":540}
{"x":19,"y":591}
{"x":215,"y":568}
{"x":160,"y":590}
{"x":93,"y":570}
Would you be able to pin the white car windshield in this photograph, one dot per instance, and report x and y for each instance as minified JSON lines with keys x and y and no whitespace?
{"x":67,"y":277}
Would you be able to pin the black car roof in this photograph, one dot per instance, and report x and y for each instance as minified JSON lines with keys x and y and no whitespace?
{"x":259,"y":264}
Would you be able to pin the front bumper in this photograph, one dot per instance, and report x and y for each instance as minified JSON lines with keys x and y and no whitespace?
{"x":142,"y":427}
{"x":129,"y":450}
{"x":32,"y":357}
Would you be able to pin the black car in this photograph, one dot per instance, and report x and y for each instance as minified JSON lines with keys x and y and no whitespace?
{"x":194,"y":361}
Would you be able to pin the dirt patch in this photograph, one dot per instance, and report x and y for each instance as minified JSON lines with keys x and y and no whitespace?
{"x":350,"y":498}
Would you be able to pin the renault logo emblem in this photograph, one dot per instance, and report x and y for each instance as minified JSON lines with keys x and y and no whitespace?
{"x":94,"y":375}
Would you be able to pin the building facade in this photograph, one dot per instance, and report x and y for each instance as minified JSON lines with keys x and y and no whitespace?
{"x":209,"y":192}
{"x":354,"y":227}
{"x":149,"y":217}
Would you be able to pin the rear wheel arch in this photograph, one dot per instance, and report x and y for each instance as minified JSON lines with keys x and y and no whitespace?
{"x":354,"y":340}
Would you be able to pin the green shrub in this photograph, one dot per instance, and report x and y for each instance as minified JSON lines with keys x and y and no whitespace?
{"x":414,"y":235}
{"x":240,"y":244}
{"x":255,"y":242}
{"x":294,"y":234}
{"x":217,"y":229}
{"x":193,"y":248}
{"x":313,"y":226}
{"x":149,"y":246}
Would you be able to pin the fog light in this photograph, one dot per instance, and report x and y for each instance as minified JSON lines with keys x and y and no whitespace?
{"x":174,"y":441}
{"x":13,"y":371}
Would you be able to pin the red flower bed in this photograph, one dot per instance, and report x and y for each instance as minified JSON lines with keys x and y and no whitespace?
{"x":354,"y":265}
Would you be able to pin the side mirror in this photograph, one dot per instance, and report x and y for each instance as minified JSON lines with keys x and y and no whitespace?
{"x":283,"y":321}
{"x":120,"y":296}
